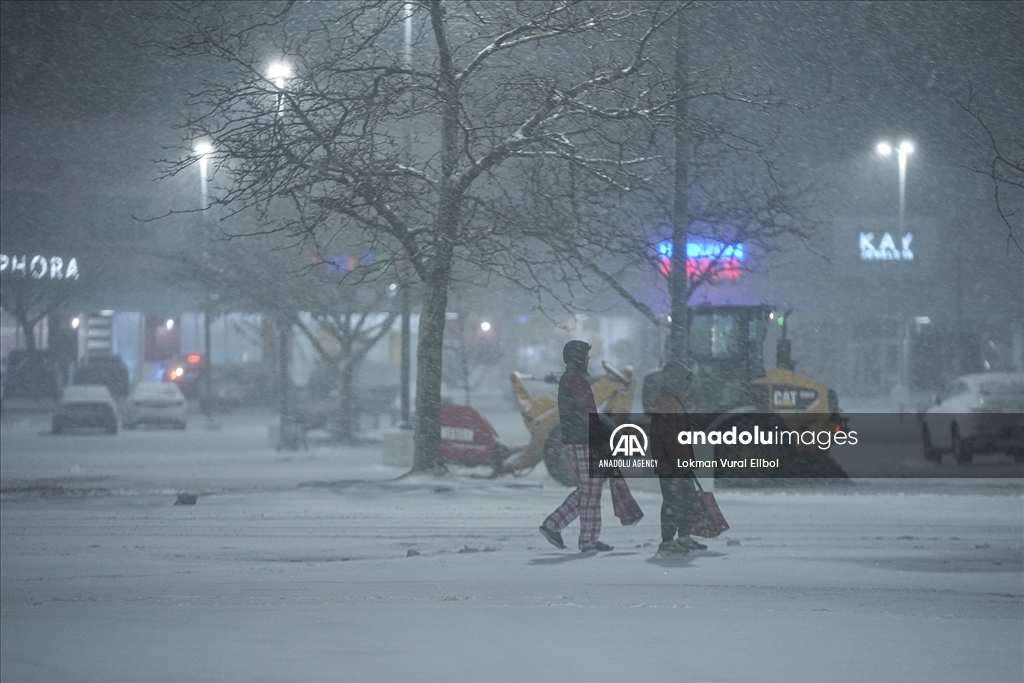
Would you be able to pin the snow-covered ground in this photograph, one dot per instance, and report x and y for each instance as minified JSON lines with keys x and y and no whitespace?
{"x":319,"y":565}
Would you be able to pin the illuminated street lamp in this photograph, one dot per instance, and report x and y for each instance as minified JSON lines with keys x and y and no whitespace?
{"x":905,"y":148}
{"x":279,"y":72}
{"x":289,"y":426}
{"x":203,"y":149}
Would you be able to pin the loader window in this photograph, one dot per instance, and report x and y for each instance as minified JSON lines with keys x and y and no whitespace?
{"x":714,"y":336}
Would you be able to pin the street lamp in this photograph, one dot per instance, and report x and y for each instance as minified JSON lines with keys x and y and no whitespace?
{"x":203,"y":148}
{"x":278,"y":72}
{"x":905,"y":149}
{"x":405,"y":337}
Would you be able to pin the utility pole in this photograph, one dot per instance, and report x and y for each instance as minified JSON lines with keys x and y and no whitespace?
{"x":679,"y":285}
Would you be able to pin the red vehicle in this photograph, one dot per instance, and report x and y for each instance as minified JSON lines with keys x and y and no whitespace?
{"x":467,"y":437}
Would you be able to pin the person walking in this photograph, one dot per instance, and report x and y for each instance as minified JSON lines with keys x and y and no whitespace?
{"x":575,"y":404}
{"x":679,"y":496}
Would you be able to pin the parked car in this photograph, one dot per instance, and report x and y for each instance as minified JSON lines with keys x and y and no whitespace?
{"x":155,"y":403}
{"x":83,"y":406}
{"x":976,"y":413}
{"x":104,"y":368}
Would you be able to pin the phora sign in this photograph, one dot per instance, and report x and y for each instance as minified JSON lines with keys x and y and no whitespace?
{"x":39,"y":267}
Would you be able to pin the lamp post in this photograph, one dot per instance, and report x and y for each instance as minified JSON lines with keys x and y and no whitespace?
{"x":405,"y":341}
{"x":903,"y":151}
{"x":204,"y":149}
{"x":289,"y":427}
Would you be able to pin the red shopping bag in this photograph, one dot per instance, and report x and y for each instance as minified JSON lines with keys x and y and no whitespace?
{"x":708,"y":520}
{"x":625,"y":506}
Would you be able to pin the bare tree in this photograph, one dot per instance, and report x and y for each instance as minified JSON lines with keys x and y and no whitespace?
{"x":342,"y":306}
{"x":1004,"y":166}
{"x":740,"y":211}
{"x":31,"y":299}
{"x":491,"y":90}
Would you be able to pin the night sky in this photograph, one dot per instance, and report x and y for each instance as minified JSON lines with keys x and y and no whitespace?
{"x":81,"y":101}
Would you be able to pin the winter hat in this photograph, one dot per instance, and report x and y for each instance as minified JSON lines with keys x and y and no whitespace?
{"x":575,"y":352}
{"x":674,"y":376}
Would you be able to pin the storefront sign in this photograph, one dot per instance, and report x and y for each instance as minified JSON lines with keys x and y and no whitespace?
{"x":886,"y":249}
{"x":39,"y":267}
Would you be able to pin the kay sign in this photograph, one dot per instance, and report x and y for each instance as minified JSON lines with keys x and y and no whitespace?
{"x":39,"y":267}
{"x":886,"y":249}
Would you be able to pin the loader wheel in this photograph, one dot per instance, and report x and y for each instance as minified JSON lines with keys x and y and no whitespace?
{"x":558,"y":465}
{"x":960,"y":449}
{"x":931,"y":453}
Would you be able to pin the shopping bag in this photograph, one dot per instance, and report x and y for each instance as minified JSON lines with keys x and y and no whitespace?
{"x":625,"y":506}
{"x":708,"y":520}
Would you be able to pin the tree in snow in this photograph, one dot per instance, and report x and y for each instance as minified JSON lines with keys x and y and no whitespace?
{"x":469,"y":140}
{"x":30,"y":299}
{"x":418,"y":144}
{"x":1004,"y":166}
{"x":343,"y":306}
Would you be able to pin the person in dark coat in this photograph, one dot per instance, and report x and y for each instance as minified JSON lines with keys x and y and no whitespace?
{"x":679,"y":496}
{"x":575,"y":404}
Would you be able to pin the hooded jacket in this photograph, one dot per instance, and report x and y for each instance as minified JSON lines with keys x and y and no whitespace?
{"x":575,"y":404}
{"x":670,"y":418}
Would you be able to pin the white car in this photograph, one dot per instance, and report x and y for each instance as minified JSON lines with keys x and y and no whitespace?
{"x":84,"y":406}
{"x":155,"y":403}
{"x":977,"y":413}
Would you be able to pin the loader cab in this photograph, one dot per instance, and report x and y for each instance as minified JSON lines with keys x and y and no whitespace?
{"x":727,"y":351}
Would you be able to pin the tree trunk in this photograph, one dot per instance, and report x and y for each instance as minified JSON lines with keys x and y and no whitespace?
{"x":346,"y":412}
{"x":28,"y":328}
{"x":429,"y":354}
{"x":346,"y":417}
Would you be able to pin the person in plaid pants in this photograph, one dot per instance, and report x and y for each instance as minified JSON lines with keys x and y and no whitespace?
{"x":575,"y":403}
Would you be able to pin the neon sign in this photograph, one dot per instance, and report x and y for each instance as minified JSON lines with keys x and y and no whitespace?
{"x":705,"y":258}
